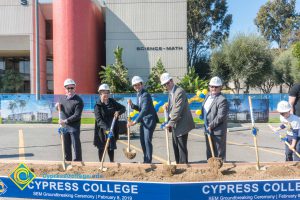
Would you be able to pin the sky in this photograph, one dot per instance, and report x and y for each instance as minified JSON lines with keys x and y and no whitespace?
{"x":243,"y":13}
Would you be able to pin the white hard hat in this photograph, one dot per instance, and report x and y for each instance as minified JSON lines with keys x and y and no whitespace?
{"x":103,"y":87}
{"x":164,"y":78}
{"x":69,"y":82}
{"x":215,"y":81}
{"x":283,"y":106}
{"x":136,"y":79}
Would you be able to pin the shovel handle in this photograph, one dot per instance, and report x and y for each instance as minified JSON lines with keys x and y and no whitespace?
{"x":288,"y":144}
{"x":63,"y":151}
{"x":211,"y":145}
{"x":256,"y":151}
{"x":128,"y":138}
{"x":168,"y":150}
{"x":104,"y":153}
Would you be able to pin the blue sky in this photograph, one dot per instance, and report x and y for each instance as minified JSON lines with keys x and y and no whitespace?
{"x":244,"y":13}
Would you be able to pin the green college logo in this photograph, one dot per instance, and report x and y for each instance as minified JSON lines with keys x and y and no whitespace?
{"x":22,"y":176}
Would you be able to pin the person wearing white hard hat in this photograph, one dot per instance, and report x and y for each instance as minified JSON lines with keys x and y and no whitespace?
{"x":292,"y":123}
{"x":147,"y":117}
{"x":294,"y":99}
{"x":105,"y":110}
{"x":180,"y":121}
{"x":71,"y":107}
{"x":214,"y":112}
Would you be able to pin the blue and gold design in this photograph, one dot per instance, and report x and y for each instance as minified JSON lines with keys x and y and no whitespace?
{"x":3,"y":187}
{"x":22,"y":176}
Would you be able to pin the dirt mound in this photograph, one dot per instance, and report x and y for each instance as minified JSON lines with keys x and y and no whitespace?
{"x":159,"y":173}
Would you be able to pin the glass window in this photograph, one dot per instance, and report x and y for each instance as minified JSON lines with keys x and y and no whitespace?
{"x":49,"y":66}
{"x":2,"y":64}
{"x":49,"y":30}
{"x":24,"y":67}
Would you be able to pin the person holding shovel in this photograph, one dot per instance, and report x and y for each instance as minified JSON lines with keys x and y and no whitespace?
{"x":71,"y":109}
{"x":147,"y":117}
{"x":105,"y":110}
{"x":292,"y":123}
{"x":214,"y":113}
{"x":180,"y":118}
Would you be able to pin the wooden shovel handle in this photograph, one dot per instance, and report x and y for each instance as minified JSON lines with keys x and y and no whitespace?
{"x":211,"y":145}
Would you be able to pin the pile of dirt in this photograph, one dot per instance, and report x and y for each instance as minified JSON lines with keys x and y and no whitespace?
{"x":157,"y":173}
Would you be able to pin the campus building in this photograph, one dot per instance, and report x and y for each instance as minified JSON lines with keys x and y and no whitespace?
{"x":76,"y":37}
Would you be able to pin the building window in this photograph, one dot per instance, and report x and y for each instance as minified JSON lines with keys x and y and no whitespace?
{"x":24,"y":67}
{"x":49,"y":66}
{"x":50,"y":87}
{"x":2,"y":64}
{"x":49,"y":30}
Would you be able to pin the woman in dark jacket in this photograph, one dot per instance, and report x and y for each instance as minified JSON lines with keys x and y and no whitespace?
{"x":105,"y":110}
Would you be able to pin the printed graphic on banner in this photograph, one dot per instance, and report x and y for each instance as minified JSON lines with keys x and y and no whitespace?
{"x":239,"y":110}
{"x":26,"y":111}
{"x":3,"y":187}
{"x":22,"y":176}
{"x":61,"y":189}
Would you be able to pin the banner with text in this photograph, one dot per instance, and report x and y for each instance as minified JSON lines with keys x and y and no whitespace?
{"x":41,"y":188}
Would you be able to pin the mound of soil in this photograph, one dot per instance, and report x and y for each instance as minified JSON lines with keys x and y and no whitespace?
{"x":158,"y":173}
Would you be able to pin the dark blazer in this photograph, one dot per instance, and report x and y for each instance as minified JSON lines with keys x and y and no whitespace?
{"x":217,"y":115}
{"x":181,"y":119}
{"x":147,"y":116}
{"x":103,"y":122}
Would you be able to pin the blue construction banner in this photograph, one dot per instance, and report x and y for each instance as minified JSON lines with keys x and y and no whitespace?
{"x":41,"y":188}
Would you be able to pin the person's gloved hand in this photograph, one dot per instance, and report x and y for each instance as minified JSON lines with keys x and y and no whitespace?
{"x":254,"y":131}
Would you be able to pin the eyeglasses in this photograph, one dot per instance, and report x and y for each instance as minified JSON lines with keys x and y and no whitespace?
{"x":70,"y":88}
{"x":167,"y":83}
{"x":211,"y":86}
{"x":284,"y":113}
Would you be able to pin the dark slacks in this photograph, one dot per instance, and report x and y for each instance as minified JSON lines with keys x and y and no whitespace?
{"x":219,"y":146}
{"x":180,"y":148}
{"x":146,"y":142}
{"x":111,"y":154}
{"x":72,"y":139}
{"x":289,"y":154}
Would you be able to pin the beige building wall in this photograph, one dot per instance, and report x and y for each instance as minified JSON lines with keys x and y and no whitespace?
{"x":148,"y":30}
{"x":16,"y":31}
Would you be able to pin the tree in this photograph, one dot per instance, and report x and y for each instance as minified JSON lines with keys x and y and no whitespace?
{"x":191,"y":82}
{"x":116,"y":75}
{"x":277,"y":20}
{"x":296,"y":50}
{"x":12,"y":81}
{"x":208,"y":25}
{"x":246,"y":60}
{"x":287,"y":70}
{"x":153,"y":83}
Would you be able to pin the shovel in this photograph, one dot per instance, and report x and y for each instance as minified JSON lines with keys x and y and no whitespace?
{"x":167,"y":137}
{"x":107,"y":144}
{"x":283,"y":139}
{"x":62,"y":131}
{"x":213,"y":162}
{"x":130,"y":154}
{"x":168,"y":170}
{"x":254,"y":133}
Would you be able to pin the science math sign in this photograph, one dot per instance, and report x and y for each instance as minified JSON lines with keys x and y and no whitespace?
{"x":41,"y":188}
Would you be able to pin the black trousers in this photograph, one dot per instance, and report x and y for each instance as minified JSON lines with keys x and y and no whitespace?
{"x":111,"y":154}
{"x":219,"y":146}
{"x":72,"y":139}
{"x":180,"y":148}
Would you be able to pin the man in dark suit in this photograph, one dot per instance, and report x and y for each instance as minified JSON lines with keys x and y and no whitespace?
{"x":180,"y":118}
{"x":147,"y":117}
{"x":214,"y":111}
